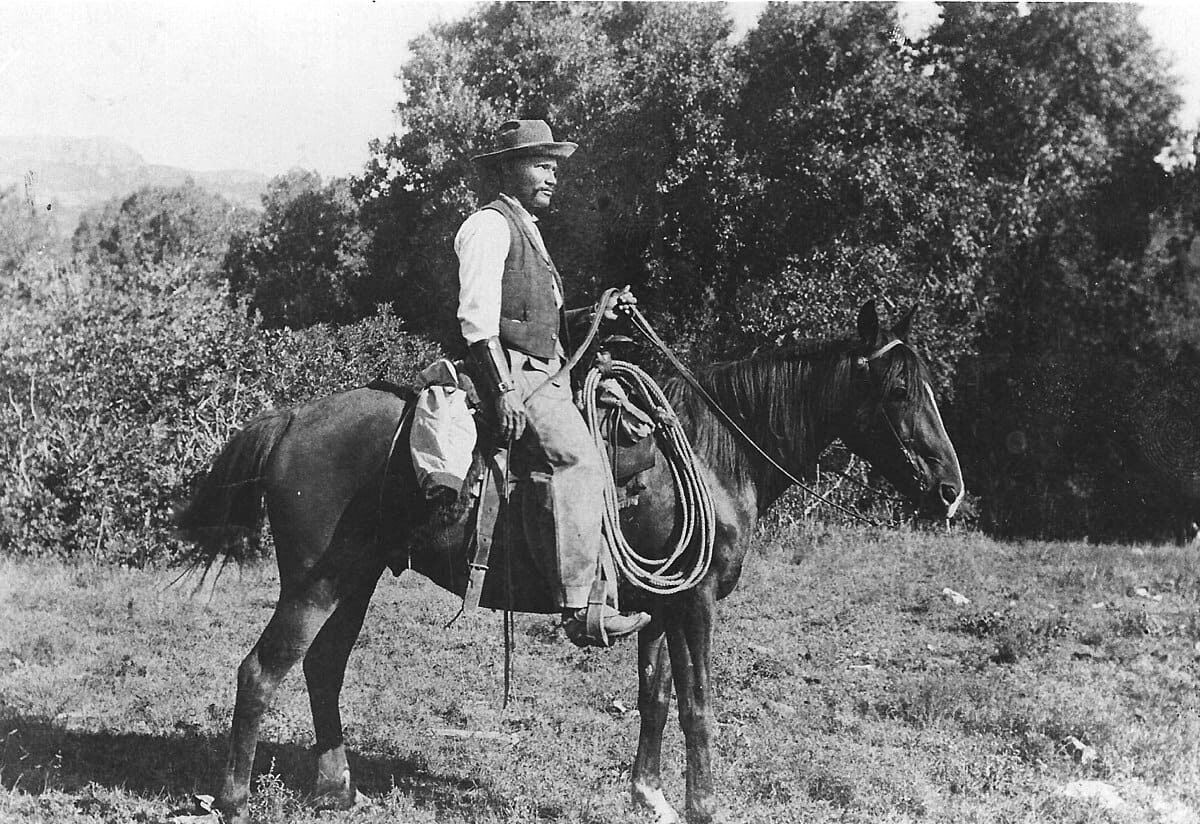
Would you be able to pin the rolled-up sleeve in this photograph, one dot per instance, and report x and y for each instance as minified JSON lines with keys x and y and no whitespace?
{"x":481,"y":245}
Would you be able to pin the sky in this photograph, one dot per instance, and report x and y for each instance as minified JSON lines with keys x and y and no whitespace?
{"x":266,"y":85}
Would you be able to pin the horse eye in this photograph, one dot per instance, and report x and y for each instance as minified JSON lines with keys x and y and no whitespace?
{"x":897,"y":393}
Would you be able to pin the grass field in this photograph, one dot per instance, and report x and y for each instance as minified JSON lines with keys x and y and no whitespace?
{"x":849,"y":688}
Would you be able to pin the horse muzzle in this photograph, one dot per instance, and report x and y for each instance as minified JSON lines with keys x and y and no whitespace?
{"x":941,"y":501}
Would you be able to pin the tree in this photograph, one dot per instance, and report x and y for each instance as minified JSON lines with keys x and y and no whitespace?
{"x":304,"y":262}
{"x":160,"y":227}
{"x":1066,"y":108}
{"x":862,"y":182}
{"x":1170,"y":266}
{"x":641,"y":88}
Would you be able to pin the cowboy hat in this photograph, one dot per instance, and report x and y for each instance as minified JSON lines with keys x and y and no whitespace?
{"x":526,"y":137}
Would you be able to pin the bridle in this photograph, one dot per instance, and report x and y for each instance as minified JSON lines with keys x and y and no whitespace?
{"x":903,"y":444}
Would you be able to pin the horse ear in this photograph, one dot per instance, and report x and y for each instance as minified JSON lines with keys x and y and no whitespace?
{"x":868,"y":323}
{"x":902,"y":328}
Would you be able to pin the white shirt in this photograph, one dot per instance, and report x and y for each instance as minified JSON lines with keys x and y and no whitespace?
{"x":482,"y":245}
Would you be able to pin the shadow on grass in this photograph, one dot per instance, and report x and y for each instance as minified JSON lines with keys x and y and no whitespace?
{"x":36,"y":756}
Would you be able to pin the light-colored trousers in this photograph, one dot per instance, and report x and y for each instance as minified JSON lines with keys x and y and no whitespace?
{"x":563,"y":502}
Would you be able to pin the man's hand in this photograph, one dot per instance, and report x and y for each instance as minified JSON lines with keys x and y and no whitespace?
{"x":491,"y":367}
{"x":616,"y":300}
{"x":510,"y":414}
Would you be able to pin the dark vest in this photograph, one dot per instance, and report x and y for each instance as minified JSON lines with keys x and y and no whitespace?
{"x":530,"y":321}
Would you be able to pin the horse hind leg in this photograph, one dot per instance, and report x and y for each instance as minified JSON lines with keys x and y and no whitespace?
{"x":324,"y":672}
{"x":654,"y":702}
{"x":298,"y":618}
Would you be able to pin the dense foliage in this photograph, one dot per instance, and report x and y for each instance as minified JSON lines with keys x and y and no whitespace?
{"x":863,"y":177}
{"x":643,"y":89}
{"x":1066,"y":109}
{"x":303,"y":261}
{"x":115,"y":399}
{"x":1006,"y":172}
{"x":158,"y":226}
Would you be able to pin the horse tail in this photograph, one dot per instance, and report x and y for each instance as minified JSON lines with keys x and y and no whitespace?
{"x":225,"y":514}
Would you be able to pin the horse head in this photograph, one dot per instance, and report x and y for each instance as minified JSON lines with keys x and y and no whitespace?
{"x":894,"y":423}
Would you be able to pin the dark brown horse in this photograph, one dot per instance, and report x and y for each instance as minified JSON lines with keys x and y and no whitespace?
{"x":322,"y":470}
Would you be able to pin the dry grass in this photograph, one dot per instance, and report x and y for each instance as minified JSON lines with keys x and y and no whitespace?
{"x":848,"y":689}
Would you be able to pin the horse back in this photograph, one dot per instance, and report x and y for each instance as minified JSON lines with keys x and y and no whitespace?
{"x":344,"y":437}
{"x":325,"y":476}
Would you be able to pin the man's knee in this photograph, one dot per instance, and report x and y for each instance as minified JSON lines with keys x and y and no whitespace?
{"x":581,"y":471}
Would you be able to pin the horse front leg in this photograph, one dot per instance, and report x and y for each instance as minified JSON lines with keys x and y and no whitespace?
{"x":689,"y":636}
{"x":324,"y":673}
{"x":654,"y":700}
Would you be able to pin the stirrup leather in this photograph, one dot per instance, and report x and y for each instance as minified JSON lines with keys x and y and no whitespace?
{"x":594,"y":633}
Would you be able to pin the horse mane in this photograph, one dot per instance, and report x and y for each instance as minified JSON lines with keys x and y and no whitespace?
{"x":776,"y":397}
{"x":779,"y":398}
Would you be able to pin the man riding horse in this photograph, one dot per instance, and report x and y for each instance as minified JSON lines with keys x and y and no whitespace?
{"x":510,"y":309}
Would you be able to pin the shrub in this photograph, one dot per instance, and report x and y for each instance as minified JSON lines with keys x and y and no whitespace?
{"x":113,"y":401}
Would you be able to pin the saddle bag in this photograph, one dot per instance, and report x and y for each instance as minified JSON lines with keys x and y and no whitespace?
{"x":443,"y":429}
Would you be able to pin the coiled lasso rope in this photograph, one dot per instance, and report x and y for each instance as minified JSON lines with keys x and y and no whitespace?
{"x":691,"y":556}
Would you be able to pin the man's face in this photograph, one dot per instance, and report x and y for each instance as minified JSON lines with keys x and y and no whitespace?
{"x":531,"y":180}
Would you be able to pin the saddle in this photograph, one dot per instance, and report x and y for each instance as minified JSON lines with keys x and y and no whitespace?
{"x":472,"y":546}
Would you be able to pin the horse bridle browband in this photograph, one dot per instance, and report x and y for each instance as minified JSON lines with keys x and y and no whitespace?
{"x":883,"y":350}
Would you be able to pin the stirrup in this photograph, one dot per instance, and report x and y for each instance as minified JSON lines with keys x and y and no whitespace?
{"x":589,"y":629}
{"x":603,"y":635}
{"x":595,"y":631}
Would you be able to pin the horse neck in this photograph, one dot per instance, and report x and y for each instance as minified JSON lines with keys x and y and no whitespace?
{"x":786,"y":403}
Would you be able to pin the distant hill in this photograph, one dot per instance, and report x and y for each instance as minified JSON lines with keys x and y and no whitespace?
{"x":70,"y":175}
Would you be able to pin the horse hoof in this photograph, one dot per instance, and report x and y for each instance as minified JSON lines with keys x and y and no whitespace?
{"x":202,"y":811}
{"x":707,"y":811}
{"x":340,"y":802}
{"x":336,"y":792}
{"x":719,"y":816}
{"x":203,"y":818}
{"x":656,"y":802}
